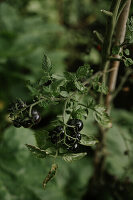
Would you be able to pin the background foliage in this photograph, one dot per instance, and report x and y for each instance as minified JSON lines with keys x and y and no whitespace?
{"x":63,"y":31}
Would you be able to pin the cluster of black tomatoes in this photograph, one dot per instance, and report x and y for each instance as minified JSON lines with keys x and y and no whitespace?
{"x":19,"y":113}
{"x":71,"y":137}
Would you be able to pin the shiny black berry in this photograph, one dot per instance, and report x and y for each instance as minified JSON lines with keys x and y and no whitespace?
{"x":78,"y":136}
{"x":76,"y":124}
{"x":59,"y":131}
{"x":27,"y":123}
{"x":56,"y":134}
{"x":70,"y":141}
{"x":54,"y":139}
{"x":35,"y":116}
{"x":20,"y":104}
{"x":16,"y":124}
{"x":74,"y":147}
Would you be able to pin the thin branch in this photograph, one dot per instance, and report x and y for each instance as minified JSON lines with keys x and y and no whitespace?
{"x":123,"y":80}
{"x":120,"y":35}
{"x":111,"y":22}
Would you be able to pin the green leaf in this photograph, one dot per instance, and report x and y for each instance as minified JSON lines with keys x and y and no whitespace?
{"x":128,"y":62}
{"x":90,"y":102}
{"x":71,"y":156}
{"x":101,"y":116}
{"x":46,"y":64}
{"x":88,"y":141}
{"x":41,"y":137}
{"x":84,"y":72}
{"x":64,"y":93}
{"x":80,"y":113}
{"x":129,"y":31}
{"x":37,"y":151}
{"x":70,"y":86}
{"x":127,"y":52}
{"x":80,"y":87}
{"x":99,"y":87}
{"x":115,"y":50}
{"x":70,"y":76}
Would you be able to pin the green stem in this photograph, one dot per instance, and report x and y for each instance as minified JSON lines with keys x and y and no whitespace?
{"x":111,"y":22}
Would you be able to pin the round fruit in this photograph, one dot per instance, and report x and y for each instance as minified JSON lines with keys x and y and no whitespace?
{"x":70,"y":140}
{"x":54,"y":139}
{"x":16,"y":124}
{"x":56,"y":134}
{"x":76,"y":123}
{"x":74,"y":147}
{"x":78,"y":136}
{"x":35,"y":116}
{"x":20,"y":104}
{"x":59,"y":131}
{"x":27,"y":124}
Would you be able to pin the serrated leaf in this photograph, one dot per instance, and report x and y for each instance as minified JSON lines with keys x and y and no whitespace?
{"x":99,"y":87}
{"x":128,"y":62}
{"x":72,"y":157}
{"x":80,"y":87}
{"x":46,"y":64}
{"x":36,"y":151}
{"x":70,"y":76}
{"x":101,"y":116}
{"x":80,"y":113}
{"x":88,"y":141}
{"x":84,"y":72}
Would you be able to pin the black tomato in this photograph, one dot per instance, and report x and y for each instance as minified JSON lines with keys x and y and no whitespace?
{"x":27,"y":123}
{"x":76,"y":124}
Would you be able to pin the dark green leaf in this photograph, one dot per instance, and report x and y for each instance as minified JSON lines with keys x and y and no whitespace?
{"x":37,"y":151}
{"x":115,"y":50}
{"x":46,"y":64}
{"x":70,"y":76}
{"x":84,"y":72}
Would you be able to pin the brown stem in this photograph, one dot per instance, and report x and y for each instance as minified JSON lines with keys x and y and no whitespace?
{"x":120,"y":35}
{"x":111,"y":22}
{"x":100,"y":153}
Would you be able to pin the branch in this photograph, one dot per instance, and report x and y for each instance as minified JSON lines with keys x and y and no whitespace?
{"x":111,"y":22}
{"x":123,"y":80}
{"x":120,"y":35}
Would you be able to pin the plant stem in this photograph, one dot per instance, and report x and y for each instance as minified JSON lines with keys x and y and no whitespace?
{"x":100,"y":153}
{"x":111,"y":22}
{"x":120,"y":35}
{"x":123,"y":80}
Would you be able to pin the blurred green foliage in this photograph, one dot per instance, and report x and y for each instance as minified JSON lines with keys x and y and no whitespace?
{"x":62,"y":30}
